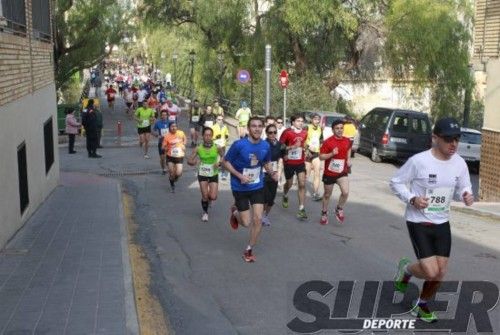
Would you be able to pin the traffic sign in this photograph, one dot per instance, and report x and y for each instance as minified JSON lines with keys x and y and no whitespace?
{"x":243,"y":76}
{"x":283,"y":79}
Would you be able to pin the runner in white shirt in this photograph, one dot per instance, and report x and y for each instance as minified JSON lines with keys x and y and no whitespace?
{"x":141,"y":95}
{"x":434,"y":177}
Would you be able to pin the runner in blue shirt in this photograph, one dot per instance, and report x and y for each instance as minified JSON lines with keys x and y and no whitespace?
{"x":161,"y":128}
{"x":245,"y":160}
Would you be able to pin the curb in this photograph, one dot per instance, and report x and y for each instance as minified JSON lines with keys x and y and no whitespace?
{"x":478,"y":212}
{"x":132,"y":323}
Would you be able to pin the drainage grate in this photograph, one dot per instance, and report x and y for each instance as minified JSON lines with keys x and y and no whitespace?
{"x":14,"y":252}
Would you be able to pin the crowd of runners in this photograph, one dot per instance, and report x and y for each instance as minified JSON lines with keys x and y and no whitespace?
{"x":267,"y":151}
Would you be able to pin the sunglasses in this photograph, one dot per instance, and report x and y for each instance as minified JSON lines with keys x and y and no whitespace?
{"x":280,"y":122}
{"x":450,"y":139}
{"x":272,"y":132}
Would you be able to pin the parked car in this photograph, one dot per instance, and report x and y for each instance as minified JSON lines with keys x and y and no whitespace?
{"x":469,"y":146}
{"x":326,"y":122}
{"x":394,"y":133}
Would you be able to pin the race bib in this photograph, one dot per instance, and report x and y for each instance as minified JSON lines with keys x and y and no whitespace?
{"x":219,"y":142}
{"x":208,"y":123}
{"x":336,"y":165}
{"x":171,"y":118}
{"x":195,"y":118}
{"x":439,"y":199}
{"x":206,"y":170}
{"x":163,"y":131}
{"x":295,"y":154}
{"x":177,"y":152}
{"x":274,"y":166}
{"x":314,"y":144}
{"x":111,"y":95}
{"x":253,"y":174}
{"x":145,"y":123}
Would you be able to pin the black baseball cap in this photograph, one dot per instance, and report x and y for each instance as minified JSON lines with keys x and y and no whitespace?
{"x":447,"y":126}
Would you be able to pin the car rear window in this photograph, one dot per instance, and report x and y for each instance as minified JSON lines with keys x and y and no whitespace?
{"x":470,"y":138}
{"x":400,"y":123}
{"x":420,"y":126}
{"x":330,"y":119}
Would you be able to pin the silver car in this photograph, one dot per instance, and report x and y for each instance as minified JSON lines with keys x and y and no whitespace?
{"x":469,"y":146}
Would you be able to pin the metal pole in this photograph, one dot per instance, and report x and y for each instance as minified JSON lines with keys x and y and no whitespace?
{"x":268,"y":77}
{"x":251,"y":91}
{"x":468,"y":97}
{"x":284,"y":106}
{"x":191,"y":81}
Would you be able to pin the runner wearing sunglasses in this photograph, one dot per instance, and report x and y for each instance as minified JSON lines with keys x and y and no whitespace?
{"x":435,"y":177}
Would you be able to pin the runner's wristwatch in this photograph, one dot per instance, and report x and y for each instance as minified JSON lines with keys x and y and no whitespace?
{"x":412,"y":201}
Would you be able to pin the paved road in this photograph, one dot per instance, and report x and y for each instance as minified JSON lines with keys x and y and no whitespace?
{"x":206,"y":288}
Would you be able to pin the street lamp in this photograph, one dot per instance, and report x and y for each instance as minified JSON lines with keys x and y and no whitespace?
{"x":174,"y":60}
{"x":220,"y":60}
{"x":192,"y":56}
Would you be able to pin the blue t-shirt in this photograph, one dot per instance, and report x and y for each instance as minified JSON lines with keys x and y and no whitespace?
{"x":249,"y":159}
{"x":161,"y":127}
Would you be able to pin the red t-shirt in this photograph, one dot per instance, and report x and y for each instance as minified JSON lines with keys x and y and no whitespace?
{"x":336,"y":165}
{"x":110,"y":92}
{"x":289,"y":138}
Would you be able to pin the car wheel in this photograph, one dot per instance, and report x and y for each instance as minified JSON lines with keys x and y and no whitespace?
{"x":375,"y":156}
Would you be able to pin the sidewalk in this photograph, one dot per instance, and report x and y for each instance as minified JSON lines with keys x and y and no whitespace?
{"x":490,"y":209}
{"x":67,"y":271}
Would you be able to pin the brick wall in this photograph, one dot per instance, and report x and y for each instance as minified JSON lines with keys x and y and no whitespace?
{"x":486,"y":28}
{"x":26,"y":64}
{"x":489,"y":175}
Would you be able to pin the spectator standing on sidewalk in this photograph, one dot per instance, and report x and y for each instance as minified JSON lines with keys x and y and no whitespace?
{"x":89,"y":122}
{"x":72,"y":127}
{"x":98,"y":114}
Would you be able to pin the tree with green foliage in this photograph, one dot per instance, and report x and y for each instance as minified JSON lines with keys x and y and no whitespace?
{"x":428,"y":42}
{"x":424,"y":42}
{"x":85,"y":33}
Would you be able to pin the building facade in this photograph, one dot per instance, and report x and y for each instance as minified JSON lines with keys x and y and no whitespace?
{"x":486,"y":59}
{"x":29,"y":164}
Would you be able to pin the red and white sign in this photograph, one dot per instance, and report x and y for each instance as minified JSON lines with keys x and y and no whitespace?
{"x":284,"y":79}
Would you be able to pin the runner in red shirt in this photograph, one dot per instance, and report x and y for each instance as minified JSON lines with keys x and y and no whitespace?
{"x":110,"y":93}
{"x":294,"y":138}
{"x":336,"y":152}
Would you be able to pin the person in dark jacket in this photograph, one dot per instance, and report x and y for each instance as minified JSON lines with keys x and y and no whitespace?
{"x":90,"y":123}
{"x":98,"y":114}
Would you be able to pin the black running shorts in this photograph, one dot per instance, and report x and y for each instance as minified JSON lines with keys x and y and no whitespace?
{"x":270,"y":187}
{"x":290,"y":170}
{"x":213,"y":179}
{"x":243,"y":200}
{"x":311,"y":156}
{"x":430,"y":239}
{"x":175,"y":160}
{"x":144,"y":130}
{"x":329,"y":180}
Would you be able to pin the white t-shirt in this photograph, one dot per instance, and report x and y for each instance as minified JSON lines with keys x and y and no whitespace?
{"x":280,"y":131}
{"x":141,"y":95}
{"x":129,"y":95}
{"x":440,"y":181}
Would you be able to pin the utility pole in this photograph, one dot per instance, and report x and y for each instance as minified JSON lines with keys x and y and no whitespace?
{"x":267,"y":69}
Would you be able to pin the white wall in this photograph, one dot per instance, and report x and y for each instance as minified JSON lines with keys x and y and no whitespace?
{"x":492,"y":96}
{"x":23,"y":120}
{"x":385,"y":93}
